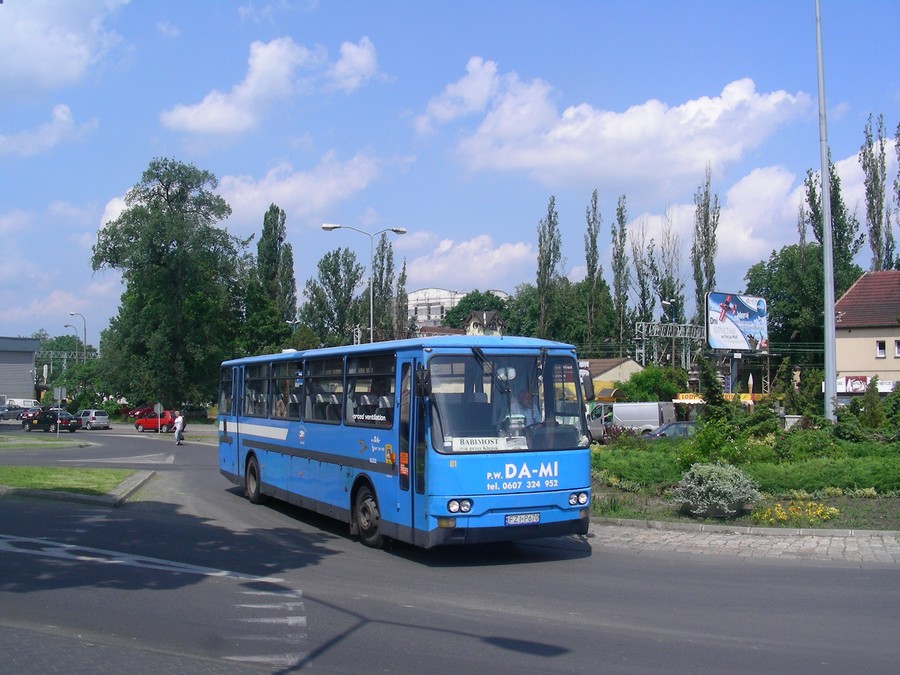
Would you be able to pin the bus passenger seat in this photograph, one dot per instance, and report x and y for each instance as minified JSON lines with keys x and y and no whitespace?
{"x":333,"y":409}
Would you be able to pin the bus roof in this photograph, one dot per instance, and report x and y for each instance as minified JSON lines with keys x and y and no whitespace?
{"x":436,"y":341}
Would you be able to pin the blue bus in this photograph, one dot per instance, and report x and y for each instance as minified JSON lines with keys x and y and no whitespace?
{"x":432,"y":441}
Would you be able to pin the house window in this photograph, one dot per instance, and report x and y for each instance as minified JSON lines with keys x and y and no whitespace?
{"x":880,"y":349}
{"x":897,"y":349}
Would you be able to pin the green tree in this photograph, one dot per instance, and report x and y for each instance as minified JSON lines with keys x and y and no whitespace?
{"x":383,"y":289}
{"x":184,"y":279}
{"x":594,"y":275}
{"x":331,"y":310}
{"x":654,"y":383}
{"x":845,"y":237}
{"x":643,"y":254}
{"x":878,"y":211}
{"x":271,"y":297}
{"x":404,"y":326}
{"x":621,"y":274}
{"x":522,"y":311}
{"x":792,"y":280}
{"x":705,"y":245}
{"x":474,"y":301}
{"x":549,"y":245}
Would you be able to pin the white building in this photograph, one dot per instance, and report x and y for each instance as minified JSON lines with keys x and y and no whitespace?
{"x":428,"y":306}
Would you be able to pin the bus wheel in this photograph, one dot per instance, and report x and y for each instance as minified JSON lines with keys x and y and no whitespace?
{"x":368,"y":518}
{"x":254,"y":493}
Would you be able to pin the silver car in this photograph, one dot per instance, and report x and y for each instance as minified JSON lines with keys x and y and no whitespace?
{"x":93,"y":419}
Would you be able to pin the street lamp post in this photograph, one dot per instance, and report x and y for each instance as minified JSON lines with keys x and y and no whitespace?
{"x":328,"y":227}
{"x":84,"y":341}
{"x":671,"y":305}
{"x":74,"y":330}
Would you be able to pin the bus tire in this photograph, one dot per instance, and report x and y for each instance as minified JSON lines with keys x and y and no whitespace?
{"x":253,"y":487}
{"x":368,"y":518}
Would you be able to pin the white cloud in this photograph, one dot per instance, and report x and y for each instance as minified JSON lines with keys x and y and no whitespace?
{"x":49,"y":44}
{"x":475,"y":263}
{"x":357,"y":65}
{"x":523,"y":131}
{"x":470,"y":94}
{"x":271,"y":77}
{"x":60,"y":128}
{"x":304,"y":195}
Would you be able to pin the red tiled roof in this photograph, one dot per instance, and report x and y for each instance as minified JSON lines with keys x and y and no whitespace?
{"x":873,"y":301}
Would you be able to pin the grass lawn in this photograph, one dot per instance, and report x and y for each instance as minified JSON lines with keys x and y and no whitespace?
{"x":82,"y":481}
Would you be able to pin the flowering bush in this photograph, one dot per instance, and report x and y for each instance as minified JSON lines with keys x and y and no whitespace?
{"x":714,"y":490}
{"x":797,"y":514}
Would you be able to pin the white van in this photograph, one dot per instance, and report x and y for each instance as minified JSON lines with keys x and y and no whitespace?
{"x":22,"y":402}
{"x":642,"y":417}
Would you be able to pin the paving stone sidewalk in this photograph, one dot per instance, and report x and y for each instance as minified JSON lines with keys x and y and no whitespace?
{"x":856,"y":548}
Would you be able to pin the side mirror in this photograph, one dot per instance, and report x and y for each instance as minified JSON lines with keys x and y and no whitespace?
{"x":423,"y":382}
{"x":587,"y":387}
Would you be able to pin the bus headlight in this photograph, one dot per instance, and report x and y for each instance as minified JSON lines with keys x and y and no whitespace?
{"x":459,"y":505}
{"x":577,"y":498}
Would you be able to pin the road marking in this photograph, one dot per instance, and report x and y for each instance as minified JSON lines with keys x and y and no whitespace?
{"x":159,"y":458}
{"x":54,"y":549}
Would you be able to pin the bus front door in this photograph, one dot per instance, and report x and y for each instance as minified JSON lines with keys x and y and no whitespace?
{"x":413,"y":452}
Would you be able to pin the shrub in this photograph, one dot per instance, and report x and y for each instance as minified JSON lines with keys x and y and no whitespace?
{"x":802,"y":444}
{"x":716,"y":490}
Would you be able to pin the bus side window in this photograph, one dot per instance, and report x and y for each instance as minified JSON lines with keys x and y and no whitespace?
{"x":386,"y":408}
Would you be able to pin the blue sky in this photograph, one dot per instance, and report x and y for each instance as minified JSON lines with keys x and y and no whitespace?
{"x":456,"y":120}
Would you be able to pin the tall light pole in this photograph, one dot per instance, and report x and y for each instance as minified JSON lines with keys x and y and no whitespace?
{"x":328,"y":227}
{"x":74,"y":330}
{"x":671,"y":304}
{"x":84,"y":341}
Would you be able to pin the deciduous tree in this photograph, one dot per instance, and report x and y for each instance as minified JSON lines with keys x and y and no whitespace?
{"x":184,"y":279}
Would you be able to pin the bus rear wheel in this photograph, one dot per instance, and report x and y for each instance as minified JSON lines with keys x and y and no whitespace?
{"x":368,"y":518}
{"x":253,"y":489}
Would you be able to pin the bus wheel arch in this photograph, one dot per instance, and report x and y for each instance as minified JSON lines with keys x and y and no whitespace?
{"x":366,"y":515}
{"x":253,"y":480}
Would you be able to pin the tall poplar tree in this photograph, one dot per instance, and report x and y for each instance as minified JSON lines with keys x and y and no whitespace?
{"x":594,"y":274}
{"x":643,"y":254}
{"x":549,"y":245}
{"x":878,"y":210}
{"x":705,"y":245}
{"x":621,"y":273}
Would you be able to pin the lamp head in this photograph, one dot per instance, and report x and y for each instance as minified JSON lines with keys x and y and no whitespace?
{"x":328,"y":227}
{"x":398,"y":230}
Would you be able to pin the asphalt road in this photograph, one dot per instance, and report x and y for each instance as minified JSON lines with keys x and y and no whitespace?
{"x":187,"y":576}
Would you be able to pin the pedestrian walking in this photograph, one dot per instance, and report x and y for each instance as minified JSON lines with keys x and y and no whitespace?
{"x":179,"y":428}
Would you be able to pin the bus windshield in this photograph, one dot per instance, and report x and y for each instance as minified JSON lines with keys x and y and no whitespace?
{"x":497,"y":403}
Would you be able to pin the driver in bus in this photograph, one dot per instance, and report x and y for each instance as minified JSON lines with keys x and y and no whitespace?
{"x":525,"y":404}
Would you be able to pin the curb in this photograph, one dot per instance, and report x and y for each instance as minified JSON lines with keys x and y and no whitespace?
{"x":114,"y":498}
{"x":725,"y":529}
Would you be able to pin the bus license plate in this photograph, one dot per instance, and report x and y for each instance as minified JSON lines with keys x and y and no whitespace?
{"x":523,"y":518}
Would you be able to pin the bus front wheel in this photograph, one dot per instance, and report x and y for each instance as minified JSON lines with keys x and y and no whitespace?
{"x":253,"y":489}
{"x":368,"y":518}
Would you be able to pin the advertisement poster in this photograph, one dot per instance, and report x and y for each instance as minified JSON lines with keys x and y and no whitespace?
{"x":736,"y":322}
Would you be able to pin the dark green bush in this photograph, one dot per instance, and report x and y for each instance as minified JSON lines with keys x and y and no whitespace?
{"x":818,"y":474}
{"x":800,"y":444}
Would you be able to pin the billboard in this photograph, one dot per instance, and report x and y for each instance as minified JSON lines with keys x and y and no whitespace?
{"x":736,"y":322}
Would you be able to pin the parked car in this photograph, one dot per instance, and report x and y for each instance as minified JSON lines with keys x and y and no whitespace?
{"x":27,"y":413}
{"x":11,"y":412}
{"x":164,"y":423}
{"x":52,"y":420}
{"x":683,"y":429}
{"x":141,"y":410}
{"x":93,"y":419}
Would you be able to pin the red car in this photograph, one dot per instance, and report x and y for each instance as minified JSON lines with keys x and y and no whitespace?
{"x":141,"y":411}
{"x":164,"y":423}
